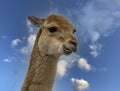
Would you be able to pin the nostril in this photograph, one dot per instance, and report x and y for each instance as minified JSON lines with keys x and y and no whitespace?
{"x":73,"y":42}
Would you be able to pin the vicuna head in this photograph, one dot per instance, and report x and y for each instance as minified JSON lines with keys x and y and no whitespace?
{"x":56,"y":35}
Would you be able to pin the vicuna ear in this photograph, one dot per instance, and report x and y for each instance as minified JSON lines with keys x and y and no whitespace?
{"x":36,"y":21}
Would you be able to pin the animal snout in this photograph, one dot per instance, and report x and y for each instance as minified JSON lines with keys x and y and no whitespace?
{"x":73,"y":44}
{"x":70,"y":46}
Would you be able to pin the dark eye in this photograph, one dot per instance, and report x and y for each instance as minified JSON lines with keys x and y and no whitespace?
{"x":52,"y":29}
{"x":74,"y":31}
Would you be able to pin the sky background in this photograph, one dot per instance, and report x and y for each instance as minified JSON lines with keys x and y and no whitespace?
{"x":94,"y":67}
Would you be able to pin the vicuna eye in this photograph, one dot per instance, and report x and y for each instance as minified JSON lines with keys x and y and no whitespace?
{"x":52,"y":29}
{"x":74,"y":31}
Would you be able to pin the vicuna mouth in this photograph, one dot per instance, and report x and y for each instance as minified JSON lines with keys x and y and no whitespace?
{"x":67,"y":51}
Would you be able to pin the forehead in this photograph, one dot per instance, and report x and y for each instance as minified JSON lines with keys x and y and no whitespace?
{"x":57,"y":20}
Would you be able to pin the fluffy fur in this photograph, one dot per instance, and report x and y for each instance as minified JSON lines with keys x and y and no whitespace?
{"x":47,"y":49}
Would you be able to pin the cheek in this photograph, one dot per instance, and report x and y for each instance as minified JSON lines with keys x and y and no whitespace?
{"x":50,"y":45}
{"x":55,"y":47}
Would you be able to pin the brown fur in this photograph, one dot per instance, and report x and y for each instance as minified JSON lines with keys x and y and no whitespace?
{"x":46,"y":51}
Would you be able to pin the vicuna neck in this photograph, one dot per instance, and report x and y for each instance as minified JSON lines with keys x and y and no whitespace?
{"x":41,"y":72}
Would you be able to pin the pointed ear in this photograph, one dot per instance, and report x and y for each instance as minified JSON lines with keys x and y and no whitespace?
{"x":36,"y":21}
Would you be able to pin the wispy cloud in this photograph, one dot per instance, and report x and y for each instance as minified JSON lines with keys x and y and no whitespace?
{"x":83,"y":64}
{"x":10,"y":59}
{"x":7,"y":60}
{"x":15,"y":42}
{"x":30,"y":26}
{"x":102,"y":69}
{"x":96,"y":19}
{"x":79,"y":85}
{"x":95,"y":49}
{"x":30,"y":40}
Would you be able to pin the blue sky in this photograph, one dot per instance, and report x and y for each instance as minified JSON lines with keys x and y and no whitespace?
{"x":95,"y":67}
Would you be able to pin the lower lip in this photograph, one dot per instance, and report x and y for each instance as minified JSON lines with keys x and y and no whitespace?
{"x":67,"y":52}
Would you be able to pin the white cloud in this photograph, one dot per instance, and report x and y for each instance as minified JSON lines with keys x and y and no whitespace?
{"x":79,"y":85}
{"x":95,"y":49}
{"x":15,"y":42}
{"x":30,"y":26}
{"x":30,"y":42}
{"x":63,"y":66}
{"x":65,"y":63}
{"x":83,"y":64}
{"x":7,"y":60}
